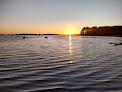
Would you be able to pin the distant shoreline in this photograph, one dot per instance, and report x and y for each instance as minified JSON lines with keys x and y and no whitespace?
{"x":62,"y":34}
{"x":39,"y":34}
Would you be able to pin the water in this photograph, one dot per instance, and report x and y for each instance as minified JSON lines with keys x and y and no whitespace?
{"x":60,"y":64}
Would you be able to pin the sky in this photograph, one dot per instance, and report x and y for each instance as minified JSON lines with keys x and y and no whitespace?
{"x":57,"y":16}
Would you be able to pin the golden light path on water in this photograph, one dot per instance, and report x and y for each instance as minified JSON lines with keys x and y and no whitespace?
{"x":70,"y":48}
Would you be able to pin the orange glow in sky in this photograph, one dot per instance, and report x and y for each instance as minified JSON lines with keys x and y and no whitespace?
{"x":71,"y":29}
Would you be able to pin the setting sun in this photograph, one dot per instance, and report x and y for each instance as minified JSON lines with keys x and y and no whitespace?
{"x":70,"y":32}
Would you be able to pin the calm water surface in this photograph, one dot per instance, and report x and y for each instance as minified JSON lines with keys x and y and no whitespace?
{"x":60,"y":64}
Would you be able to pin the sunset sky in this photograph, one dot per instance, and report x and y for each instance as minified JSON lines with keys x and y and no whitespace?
{"x":57,"y":16}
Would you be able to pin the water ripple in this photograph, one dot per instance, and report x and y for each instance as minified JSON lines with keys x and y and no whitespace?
{"x":60,"y":64}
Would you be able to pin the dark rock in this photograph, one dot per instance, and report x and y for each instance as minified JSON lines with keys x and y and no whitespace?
{"x":116,"y":44}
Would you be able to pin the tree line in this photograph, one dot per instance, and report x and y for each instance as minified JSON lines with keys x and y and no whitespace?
{"x":102,"y":31}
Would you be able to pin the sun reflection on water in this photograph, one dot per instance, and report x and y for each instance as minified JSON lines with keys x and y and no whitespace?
{"x":70,"y":48}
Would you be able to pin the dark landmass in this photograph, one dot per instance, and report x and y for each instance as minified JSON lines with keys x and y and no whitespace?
{"x":27,"y":34}
{"x":50,"y":34}
{"x":37,"y":34}
{"x":102,"y":31}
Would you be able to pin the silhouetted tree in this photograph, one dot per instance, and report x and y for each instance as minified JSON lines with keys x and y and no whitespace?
{"x":102,"y":31}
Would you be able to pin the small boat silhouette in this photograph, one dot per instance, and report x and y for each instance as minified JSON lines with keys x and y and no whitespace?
{"x":24,"y":37}
{"x":46,"y":37}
